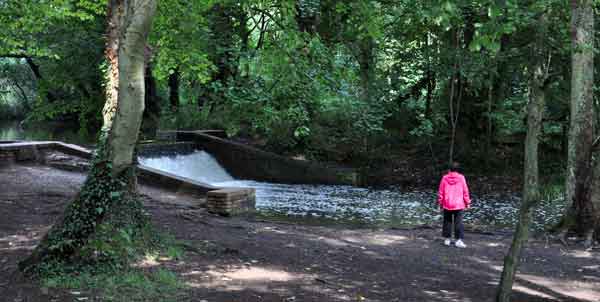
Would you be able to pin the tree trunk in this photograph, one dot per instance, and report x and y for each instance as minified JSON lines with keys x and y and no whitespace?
{"x":595,"y":203}
{"x":531,"y":194}
{"x":366,"y":61}
{"x":244,"y":42}
{"x":488,"y":143}
{"x":174,"y":89}
{"x":579,"y":217}
{"x":115,"y":13}
{"x":106,"y":200}
{"x":127,"y":121}
{"x":151,"y":98}
{"x":454,"y":100}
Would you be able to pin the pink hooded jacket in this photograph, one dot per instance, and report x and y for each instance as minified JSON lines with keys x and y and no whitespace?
{"x":453,"y":193}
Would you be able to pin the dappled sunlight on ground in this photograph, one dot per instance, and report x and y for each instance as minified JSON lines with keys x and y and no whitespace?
{"x":378,"y":239}
{"x":245,"y":274}
{"x":241,"y":259}
{"x":272,"y":230}
{"x":258,"y":273}
{"x":446,"y":295}
{"x":582,"y":254}
{"x":575,"y":289}
{"x":532,"y":292}
{"x":151,"y":260}
{"x":256,"y":279}
{"x":19,"y":242}
{"x":495,"y":244}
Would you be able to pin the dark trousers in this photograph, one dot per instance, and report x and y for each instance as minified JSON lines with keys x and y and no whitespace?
{"x":453,"y":218}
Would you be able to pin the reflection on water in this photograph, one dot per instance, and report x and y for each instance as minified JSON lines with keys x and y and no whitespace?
{"x":361,"y":206}
{"x":10,"y":130}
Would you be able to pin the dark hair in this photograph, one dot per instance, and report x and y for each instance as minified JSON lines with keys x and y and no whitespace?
{"x":454,"y":167}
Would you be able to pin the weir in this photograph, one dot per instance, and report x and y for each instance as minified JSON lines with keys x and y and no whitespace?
{"x":246,"y":162}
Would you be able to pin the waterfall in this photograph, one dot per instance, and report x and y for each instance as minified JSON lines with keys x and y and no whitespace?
{"x":199,"y":166}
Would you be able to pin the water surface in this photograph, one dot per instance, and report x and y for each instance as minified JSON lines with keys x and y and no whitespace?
{"x":352,"y":205}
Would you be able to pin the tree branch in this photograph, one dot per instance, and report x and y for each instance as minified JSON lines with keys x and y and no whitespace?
{"x":596,"y":143}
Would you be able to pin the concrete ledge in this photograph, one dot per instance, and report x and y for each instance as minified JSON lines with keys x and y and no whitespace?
{"x":27,"y":147}
{"x":157,"y":149}
{"x":30,"y":151}
{"x":172,"y":182}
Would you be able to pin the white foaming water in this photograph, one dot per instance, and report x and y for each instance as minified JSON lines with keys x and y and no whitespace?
{"x":199,"y":166}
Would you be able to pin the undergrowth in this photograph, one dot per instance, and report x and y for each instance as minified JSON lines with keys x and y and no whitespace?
{"x":106,"y":246}
{"x":117,"y":281}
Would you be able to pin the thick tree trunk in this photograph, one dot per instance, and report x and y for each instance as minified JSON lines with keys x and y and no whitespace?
{"x":579,"y":217}
{"x":127,"y":121}
{"x":174,"y":89}
{"x":531,"y":194}
{"x":107,"y":192}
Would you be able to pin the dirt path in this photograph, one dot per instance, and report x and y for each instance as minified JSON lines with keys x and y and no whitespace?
{"x":243,"y":260}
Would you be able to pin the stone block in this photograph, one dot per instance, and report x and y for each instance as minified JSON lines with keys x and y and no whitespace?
{"x":231,"y":201}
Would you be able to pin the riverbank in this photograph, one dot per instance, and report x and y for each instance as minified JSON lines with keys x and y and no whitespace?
{"x":244,"y":259}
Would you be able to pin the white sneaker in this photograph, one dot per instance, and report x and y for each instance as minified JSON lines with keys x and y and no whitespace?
{"x":459,"y":243}
{"x":447,"y":242}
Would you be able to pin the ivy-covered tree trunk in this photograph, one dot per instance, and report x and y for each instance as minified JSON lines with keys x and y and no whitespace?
{"x":106,"y":202}
{"x":111,"y":55}
{"x":579,"y":217}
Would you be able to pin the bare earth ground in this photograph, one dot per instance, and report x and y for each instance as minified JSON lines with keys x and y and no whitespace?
{"x":241,"y":259}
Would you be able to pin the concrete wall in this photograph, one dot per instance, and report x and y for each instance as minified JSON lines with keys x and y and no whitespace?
{"x":161,"y":149}
{"x":245,"y":162}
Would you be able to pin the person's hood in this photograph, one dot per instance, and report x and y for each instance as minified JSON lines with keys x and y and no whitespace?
{"x":452,"y":178}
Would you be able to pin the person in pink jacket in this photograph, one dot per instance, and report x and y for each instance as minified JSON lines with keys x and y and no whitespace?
{"x":453,"y":198}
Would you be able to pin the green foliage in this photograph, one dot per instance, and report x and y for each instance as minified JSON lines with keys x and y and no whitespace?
{"x":63,"y":43}
{"x":334,"y":80}
{"x":179,"y":40}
